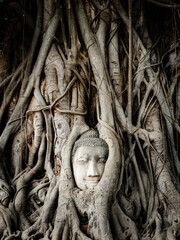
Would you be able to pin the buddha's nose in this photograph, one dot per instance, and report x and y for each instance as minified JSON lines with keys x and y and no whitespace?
{"x":92,"y":169}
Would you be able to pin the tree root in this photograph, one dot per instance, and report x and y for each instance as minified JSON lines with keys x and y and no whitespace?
{"x":16,"y":235}
{"x":162,"y":224}
{"x":8,"y":221}
{"x":129,"y":227}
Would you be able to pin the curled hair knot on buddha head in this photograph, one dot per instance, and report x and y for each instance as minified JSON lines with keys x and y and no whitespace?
{"x":90,"y":138}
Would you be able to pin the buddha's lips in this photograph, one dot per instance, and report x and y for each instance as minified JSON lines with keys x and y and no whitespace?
{"x":92,"y":179}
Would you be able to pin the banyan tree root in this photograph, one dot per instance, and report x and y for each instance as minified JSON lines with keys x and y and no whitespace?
{"x":88,"y":206}
{"x":89,"y":202}
{"x":67,"y":224}
{"x":64,"y":78}
{"x":8,"y":220}
{"x":38,"y":130}
{"x":167,"y":193}
{"x":21,"y":184}
{"x":41,"y":226}
{"x":65,"y":218}
{"x":129,"y":229}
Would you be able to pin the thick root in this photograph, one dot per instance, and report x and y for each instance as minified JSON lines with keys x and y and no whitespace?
{"x":129,"y":227}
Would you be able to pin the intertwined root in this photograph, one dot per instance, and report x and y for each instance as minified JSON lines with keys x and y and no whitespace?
{"x":79,"y":49}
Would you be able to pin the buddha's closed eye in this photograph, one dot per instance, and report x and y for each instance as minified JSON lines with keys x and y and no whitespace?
{"x":102,"y":160}
{"x":82,"y":160}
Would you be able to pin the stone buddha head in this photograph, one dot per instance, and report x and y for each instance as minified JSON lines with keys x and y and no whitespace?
{"x":89,"y":156}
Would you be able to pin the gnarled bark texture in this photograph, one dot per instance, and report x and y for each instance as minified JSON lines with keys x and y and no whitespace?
{"x":70,"y":66}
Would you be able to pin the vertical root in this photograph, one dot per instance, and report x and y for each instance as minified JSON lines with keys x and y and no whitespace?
{"x":129,"y":227}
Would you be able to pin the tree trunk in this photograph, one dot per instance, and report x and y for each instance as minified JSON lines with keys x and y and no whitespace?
{"x":93,"y":83}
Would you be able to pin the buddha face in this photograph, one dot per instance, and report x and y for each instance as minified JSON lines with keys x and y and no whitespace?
{"x":88,"y":165}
